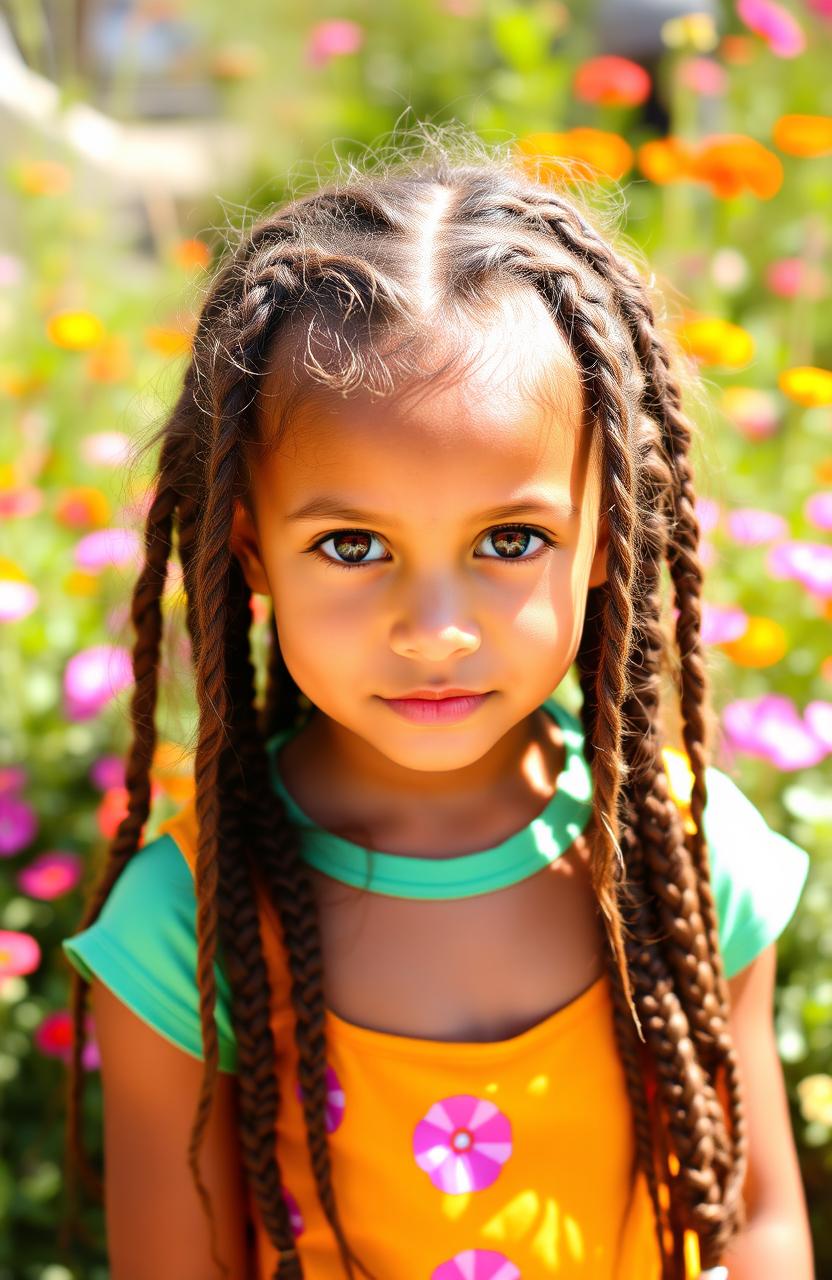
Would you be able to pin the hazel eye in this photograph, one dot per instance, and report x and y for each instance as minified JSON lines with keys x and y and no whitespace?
{"x":513,"y":540}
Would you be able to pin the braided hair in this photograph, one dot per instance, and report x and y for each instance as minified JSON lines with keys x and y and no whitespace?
{"x":369,"y":260}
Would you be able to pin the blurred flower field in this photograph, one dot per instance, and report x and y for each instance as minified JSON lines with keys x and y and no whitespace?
{"x":719,"y":148}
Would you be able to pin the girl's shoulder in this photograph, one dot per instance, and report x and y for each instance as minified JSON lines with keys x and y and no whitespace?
{"x":143,"y":947}
{"x":757,"y":874}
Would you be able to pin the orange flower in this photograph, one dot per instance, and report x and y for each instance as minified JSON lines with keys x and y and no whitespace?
{"x":17,"y":385}
{"x":738,"y":51}
{"x":79,"y":583}
{"x":44,"y":178}
{"x":587,"y":154}
{"x":611,"y":81}
{"x":804,"y":135}
{"x":74,"y":330}
{"x":665,"y":159}
{"x":807,"y":385}
{"x":189,"y":254}
{"x":109,"y":361}
{"x":763,"y":643}
{"x":731,"y":163}
{"x":167,"y":341}
{"x":715,"y":341}
{"x":82,"y":507}
{"x":823,"y":471}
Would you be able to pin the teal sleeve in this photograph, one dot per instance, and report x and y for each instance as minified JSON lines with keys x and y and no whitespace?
{"x":143,"y":947}
{"x":757,"y":874}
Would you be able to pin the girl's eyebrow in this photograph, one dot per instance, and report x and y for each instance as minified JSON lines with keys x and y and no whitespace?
{"x":329,"y":506}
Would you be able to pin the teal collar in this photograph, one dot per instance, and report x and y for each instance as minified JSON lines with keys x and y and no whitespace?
{"x":462,"y":876}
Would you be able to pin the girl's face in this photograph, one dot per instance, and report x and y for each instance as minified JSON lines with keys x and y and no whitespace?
{"x":380,"y":534}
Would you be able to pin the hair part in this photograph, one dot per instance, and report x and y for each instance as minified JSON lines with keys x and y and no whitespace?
{"x":357,"y":273}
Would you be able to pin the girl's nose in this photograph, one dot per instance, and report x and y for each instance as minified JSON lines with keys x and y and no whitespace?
{"x":433,"y":624}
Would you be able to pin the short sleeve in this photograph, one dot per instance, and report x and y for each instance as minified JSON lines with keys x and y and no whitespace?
{"x":757,"y":874}
{"x":143,"y":947}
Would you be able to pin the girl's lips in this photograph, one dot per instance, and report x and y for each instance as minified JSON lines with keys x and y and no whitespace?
{"x":436,"y":710}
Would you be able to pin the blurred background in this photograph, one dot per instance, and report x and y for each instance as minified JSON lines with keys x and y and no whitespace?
{"x":138,"y":137}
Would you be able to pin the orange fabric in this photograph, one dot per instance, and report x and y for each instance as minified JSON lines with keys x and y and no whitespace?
{"x":545,"y":1116}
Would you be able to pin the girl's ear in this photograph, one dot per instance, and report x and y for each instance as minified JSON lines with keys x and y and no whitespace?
{"x":598,"y":569}
{"x":245,"y":545}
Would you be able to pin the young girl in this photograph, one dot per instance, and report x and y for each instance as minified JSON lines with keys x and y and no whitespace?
{"x":436,"y":978}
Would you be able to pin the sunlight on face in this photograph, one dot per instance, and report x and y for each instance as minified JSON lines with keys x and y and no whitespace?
{"x":381,"y":539}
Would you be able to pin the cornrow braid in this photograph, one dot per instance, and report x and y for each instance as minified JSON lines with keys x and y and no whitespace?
{"x":367,"y":260}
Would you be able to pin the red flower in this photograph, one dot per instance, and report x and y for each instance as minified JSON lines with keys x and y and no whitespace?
{"x":612,"y":81}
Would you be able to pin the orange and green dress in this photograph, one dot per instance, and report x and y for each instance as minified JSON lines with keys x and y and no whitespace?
{"x":450,"y":1161}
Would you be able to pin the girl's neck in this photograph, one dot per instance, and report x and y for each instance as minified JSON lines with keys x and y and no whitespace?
{"x":349,"y":788}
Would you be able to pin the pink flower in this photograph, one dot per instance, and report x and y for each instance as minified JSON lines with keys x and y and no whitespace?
{"x":703,"y":75}
{"x":707,"y":514}
{"x":53,"y":1037}
{"x":334,"y":1100}
{"x":793,"y":278}
{"x":18,"y":824}
{"x":50,"y":875}
{"x":106,"y":547}
{"x":94,"y":676}
{"x":333,"y":39}
{"x":462,"y":1143}
{"x":806,"y":562}
{"x":751,"y":526}
{"x":771,"y":728}
{"x":780,"y":30}
{"x":11,"y":269}
{"x":25,"y":501}
{"x":105,"y":448}
{"x":821,"y":7}
{"x":107,"y":772}
{"x":17,"y":599}
{"x":721,"y":623}
{"x":818,"y":509}
{"x":19,"y":954}
{"x":477,"y":1264}
{"x":13,"y":778}
{"x":755,"y":413}
{"x":818,"y":716}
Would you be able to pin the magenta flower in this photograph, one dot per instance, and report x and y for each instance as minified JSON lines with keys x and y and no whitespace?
{"x":17,"y":599}
{"x":818,"y":716}
{"x":821,"y":7}
{"x":780,"y":30}
{"x":751,"y":526}
{"x":333,"y":38}
{"x":462,"y":1143}
{"x":19,"y":954}
{"x":771,"y":728}
{"x":295,"y":1216}
{"x":721,"y":623}
{"x":50,"y":875}
{"x":818,"y":509}
{"x":13,"y":778}
{"x":105,"y":448}
{"x":94,"y":676}
{"x":53,"y":1038}
{"x":18,"y":824}
{"x":335,"y":1101}
{"x":108,"y":772}
{"x":807,"y":562}
{"x":707,"y":513}
{"x":477,"y":1264}
{"x":104,"y":547}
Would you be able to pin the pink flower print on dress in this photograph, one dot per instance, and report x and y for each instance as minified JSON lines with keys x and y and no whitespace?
{"x":295,"y":1216}
{"x":462,"y":1143}
{"x":334,"y":1100}
{"x":477,"y":1264}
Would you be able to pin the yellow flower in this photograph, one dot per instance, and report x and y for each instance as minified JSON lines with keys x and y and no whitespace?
{"x":10,"y":571}
{"x":692,"y":31}
{"x":801,"y":135}
{"x":807,"y":385}
{"x":680,"y":783}
{"x":79,"y":583}
{"x":44,"y":178}
{"x":74,"y":330}
{"x":815,"y":1094}
{"x":763,"y":643}
{"x":715,"y":341}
